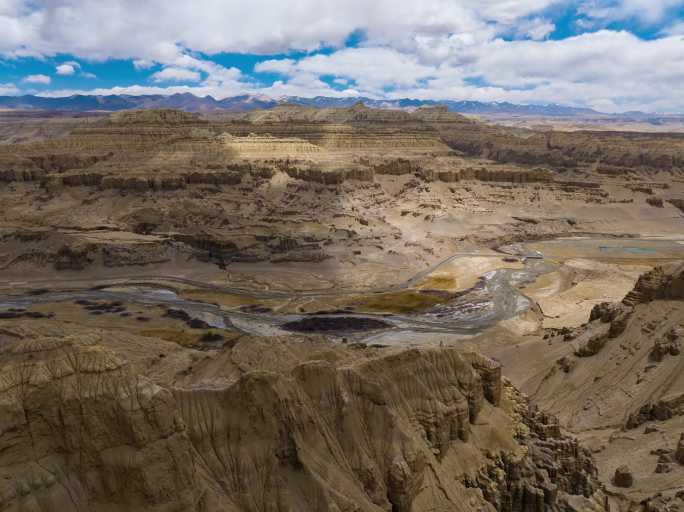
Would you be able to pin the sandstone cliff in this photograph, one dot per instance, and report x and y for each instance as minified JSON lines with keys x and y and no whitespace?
{"x":618,"y":383}
{"x":257,"y":428}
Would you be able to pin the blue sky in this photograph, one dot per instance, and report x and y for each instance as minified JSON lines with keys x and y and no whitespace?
{"x":612,"y":55}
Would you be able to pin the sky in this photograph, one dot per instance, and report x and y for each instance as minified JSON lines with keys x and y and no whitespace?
{"x":610,"y":55}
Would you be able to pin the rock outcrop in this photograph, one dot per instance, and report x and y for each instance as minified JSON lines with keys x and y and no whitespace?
{"x":615,"y":153}
{"x":679,"y":451}
{"x":669,"y":344}
{"x":661,"y":283}
{"x":554,"y":469}
{"x":623,"y":477}
{"x":82,"y":429}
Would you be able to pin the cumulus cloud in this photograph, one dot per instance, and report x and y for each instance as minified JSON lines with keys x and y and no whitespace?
{"x":132,"y":90}
{"x":676,"y":29}
{"x":37,"y":79}
{"x":608,"y":68}
{"x":371,"y":68}
{"x":72,"y":68}
{"x":646,"y":11}
{"x":143,"y":63}
{"x":67,"y":68}
{"x":8,"y":89}
{"x":149,"y":30}
{"x":535,"y":29}
{"x":444,"y":49}
{"x":176,"y":75}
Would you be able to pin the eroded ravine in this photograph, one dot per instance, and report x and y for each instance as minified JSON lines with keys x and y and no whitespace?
{"x":495,"y":297}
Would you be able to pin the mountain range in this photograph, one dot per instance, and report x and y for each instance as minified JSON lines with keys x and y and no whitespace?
{"x":191,"y":103}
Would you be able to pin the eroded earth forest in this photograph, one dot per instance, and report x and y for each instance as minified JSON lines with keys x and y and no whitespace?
{"x":338,"y":309}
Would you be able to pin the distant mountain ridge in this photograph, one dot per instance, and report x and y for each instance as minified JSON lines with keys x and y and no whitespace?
{"x":244,"y":103}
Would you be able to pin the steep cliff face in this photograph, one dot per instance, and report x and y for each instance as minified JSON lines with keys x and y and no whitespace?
{"x":625,"y":359}
{"x":363,"y":436}
{"x":612,"y":153}
{"x":167,"y":150}
{"x":661,"y":283}
{"x":147,"y":143}
{"x":484,"y":174}
{"x":248,"y":430}
{"x":556,"y":473}
{"x":334,"y":177}
{"x":618,"y":383}
{"x":80,"y":431}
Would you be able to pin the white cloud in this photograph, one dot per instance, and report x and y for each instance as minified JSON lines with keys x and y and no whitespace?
{"x":445,"y":49}
{"x":601,"y":68}
{"x":176,"y":75}
{"x":65,"y":69}
{"x":143,"y":64}
{"x":37,"y":79}
{"x":676,"y":29}
{"x":153,"y":30}
{"x":72,"y":67}
{"x":306,"y":85}
{"x":646,"y":11}
{"x":536,"y":29}
{"x":370,"y":68}
{"x":9,"y":89}
{"x":282,"y":66}
{"x":134,"y":90}
{"x":149,"y":30}
{"x":605,"y":57}
{"x":607,"y":70}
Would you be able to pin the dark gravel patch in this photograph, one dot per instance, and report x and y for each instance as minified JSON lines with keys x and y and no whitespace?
{"x":335,"y":323}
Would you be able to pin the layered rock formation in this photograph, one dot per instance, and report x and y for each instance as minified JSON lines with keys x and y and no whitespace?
{"x":613,"y":153}
{"x":319,"y":201}
{"x":659,"y":284}
{"x":618,"y":384}
{"x":79,"y":430}
{"x":642,"y":331}
{"x":341,"y":429}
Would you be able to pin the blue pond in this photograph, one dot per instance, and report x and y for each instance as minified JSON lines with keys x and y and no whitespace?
{"x":631,"y":250}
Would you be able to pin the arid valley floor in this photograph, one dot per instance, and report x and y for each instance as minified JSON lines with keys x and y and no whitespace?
{"x":355,"y":309}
